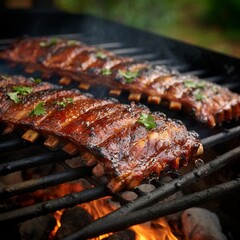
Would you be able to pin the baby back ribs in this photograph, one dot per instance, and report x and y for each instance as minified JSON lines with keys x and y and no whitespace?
{"x":128,"y":142}
{"x":209,"y":103}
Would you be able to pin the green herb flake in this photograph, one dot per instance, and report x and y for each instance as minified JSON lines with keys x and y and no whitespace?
{"x":215,"y":89}
{"x":22,"y":90}
{"x":18,"y":90}
{"x":65,"y":102}
{"x":14,"y":97}
{"x":72,"y":42}
{"x":190,"y":84}
{"x":147,"y":120}
{"x":101,"y":55}
{"x":106,"y":71}
{"x":70,"y":100}
{"x":62,"y":104}
{"x":49,"y":43}
{"x":36,"y":80}
{"x":199,"y":96}
{"x":193,"y":84}
{"x":39,"y":110}
{"x":128,"y":76}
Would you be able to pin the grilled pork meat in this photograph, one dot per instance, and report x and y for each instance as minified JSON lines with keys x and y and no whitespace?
{"x":127,"y":142}
{"x":210,"y":103}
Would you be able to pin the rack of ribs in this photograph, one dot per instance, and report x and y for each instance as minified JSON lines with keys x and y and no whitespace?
{"x":208,"y":102}
{"x":126,"y":143}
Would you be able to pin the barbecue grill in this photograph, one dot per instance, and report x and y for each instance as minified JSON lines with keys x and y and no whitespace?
{"x":18,"y":155}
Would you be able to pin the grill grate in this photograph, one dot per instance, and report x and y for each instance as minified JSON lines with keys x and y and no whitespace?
{"x":151,"y":213}
{"x":76,"y":198}
{"x":16,"y":154}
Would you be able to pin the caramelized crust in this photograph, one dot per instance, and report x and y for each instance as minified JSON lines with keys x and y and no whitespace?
{"x":209,"y":103}
{"x":106,"y":132}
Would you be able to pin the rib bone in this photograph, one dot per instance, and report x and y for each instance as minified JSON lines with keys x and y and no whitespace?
{"x":51,"y":142}
{"x":30,"y":136}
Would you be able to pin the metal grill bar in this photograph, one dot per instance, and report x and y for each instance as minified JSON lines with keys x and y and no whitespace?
{"x":44,"y":182}
{"x":109,"y":45}
{"x":11,"y":144}
{"x":69,"y":35}
{"x":161,"y":61}
{"x":181,"y":67}
{"x":214,"y":79}
{"x":33,"y":161}
{"x":197,"y":72}
{"x":42,"y":208}
{"x":145,"y":56}
{"x":221,"y":137}
{"x":232,"y":86}
{"x":159,"y":210}
{"x":91,"y":194}
{"x":172,"y":187}
{"x":126,"y":50}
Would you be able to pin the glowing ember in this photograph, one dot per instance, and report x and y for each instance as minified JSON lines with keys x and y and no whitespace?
{"x":154,"y":230}
{"x":57,"y":215}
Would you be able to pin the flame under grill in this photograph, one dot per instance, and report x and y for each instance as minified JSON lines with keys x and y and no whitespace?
{"x":18,"y":155}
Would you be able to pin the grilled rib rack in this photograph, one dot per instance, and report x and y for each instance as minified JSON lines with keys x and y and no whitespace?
{"x":18,"y":155}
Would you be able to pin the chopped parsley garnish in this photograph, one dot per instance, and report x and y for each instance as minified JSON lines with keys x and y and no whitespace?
{"x":49,"y":43}
{"x":101,"y":55}
{"x":38,"y":110}
{"x":65,"y":102}
{"x":22,"y":90}
{"x":36,"y":80}
{"x":214,"y":89}
{"x":147,"y":120}
{"x":18,"y":90}
{"x":106,"y":71}
{"x":72,"y":42}
{"x":128,"y":76}
{"x":199,"y":96}
{"x":14,"y":97}
{"x":70,"y":100}
{"x":193,"y":84}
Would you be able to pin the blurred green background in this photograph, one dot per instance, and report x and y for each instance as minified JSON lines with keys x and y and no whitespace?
{"x":213,"y":24}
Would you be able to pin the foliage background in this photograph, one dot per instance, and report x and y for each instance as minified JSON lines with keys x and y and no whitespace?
{"x":213,"y":24}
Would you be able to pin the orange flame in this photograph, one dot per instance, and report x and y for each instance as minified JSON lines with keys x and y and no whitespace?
{"x":154,"y":230}
{"x":57,"y":215}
